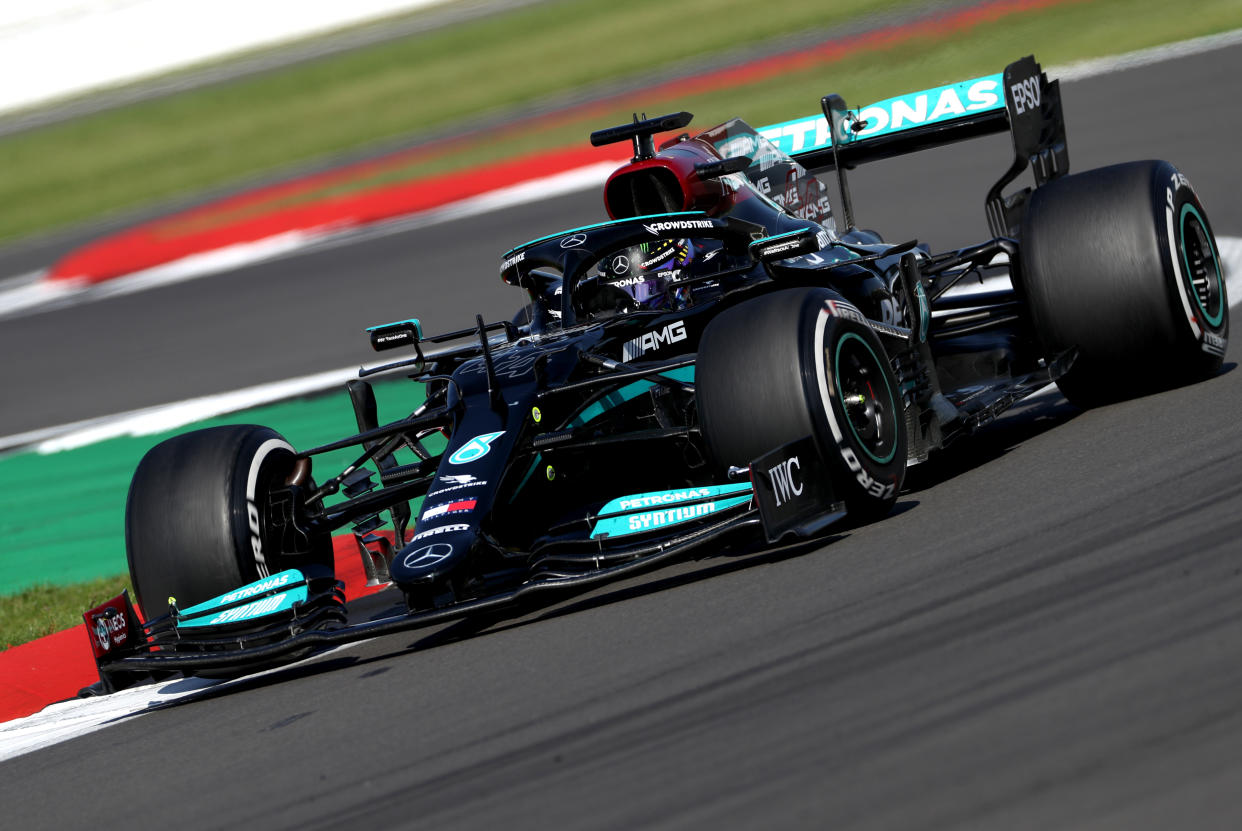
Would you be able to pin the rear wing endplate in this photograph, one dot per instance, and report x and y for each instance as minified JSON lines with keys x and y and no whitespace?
{"x":1020,"y":100}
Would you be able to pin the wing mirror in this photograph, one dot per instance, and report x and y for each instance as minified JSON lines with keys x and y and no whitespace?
{"x":790,"y":244}
{"x":394,"y":335}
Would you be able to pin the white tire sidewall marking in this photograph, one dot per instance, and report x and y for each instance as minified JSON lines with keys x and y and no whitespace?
{"x":1175,"y":256}
{"x":256,"y":463}
{"x":821,"y":376}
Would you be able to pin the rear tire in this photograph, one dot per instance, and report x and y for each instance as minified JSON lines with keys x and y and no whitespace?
{"x":789,"y":364}
{"x":196,"y":521}
{"x":1120,"y":263}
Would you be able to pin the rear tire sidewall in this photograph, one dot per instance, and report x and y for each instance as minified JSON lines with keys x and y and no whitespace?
{"x":1204,"y":311}
{"x":1108,"y":261}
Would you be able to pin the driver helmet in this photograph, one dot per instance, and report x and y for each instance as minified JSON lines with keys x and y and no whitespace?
{"x":647,"y":274}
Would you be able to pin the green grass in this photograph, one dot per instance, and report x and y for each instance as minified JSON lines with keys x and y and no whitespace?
{"x":46,"y":609}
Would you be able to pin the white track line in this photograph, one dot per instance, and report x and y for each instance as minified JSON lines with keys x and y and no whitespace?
{"x":1143,"y":57}
{"x":69,"y":719}
{"x":151,"y":420}
{"x":76,"y":717}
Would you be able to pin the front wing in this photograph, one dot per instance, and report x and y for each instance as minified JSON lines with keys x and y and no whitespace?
{"x":295,"y":613}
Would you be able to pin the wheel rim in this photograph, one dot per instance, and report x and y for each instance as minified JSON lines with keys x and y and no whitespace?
{"x":867,"y":398}
{"x":1202,"y":266}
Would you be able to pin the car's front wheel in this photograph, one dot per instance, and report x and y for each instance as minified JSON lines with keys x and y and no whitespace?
{"x":801,"y":362}
{"x":198,"y":518}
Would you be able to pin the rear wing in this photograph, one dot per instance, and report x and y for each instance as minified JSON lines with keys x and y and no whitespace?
{"x":1020,"y":100}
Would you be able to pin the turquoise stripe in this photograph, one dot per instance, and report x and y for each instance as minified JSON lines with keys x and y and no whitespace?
{"x":208,"y":613}
{"x":775,"y":237}
{"x":603,"y":404}
{"x":526,"y":478}
{"x":617,"y":397}
{"x":894,"y":115}
{"x":418,"y":327}
{"x":625,"y":221}
{"x":664,"y":499}
{"x":1188,"y":208}
{"x":623,"y":526}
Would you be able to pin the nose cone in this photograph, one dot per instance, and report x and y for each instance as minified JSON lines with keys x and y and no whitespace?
{"x":432,"y":555}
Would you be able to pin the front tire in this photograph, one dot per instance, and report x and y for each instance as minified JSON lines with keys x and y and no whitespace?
{"x":1120,"y":263}
{"x":801,"y":362}
{"x":197,"y":521}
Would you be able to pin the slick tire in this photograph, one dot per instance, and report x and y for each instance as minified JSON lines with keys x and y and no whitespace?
{"x":1120,"y":263}
{"x":786,"y":365}
{"x":196,"y":521}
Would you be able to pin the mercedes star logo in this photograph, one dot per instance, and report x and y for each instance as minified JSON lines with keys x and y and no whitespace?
{"x":428,"y":555}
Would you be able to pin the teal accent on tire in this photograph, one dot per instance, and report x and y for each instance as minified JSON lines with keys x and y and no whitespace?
{"x":1219,"y":293}
{"x":892,"y":400}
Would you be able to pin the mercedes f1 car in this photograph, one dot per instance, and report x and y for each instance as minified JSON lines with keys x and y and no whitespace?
{"x":726,"y":360}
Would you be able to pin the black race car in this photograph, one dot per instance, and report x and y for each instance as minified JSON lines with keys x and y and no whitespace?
{"x":721,"y":363}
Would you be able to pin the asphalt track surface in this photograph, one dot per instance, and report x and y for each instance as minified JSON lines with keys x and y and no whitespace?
{"x":1046,"y":634}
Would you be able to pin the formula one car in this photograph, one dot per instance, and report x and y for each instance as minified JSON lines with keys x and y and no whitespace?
{"x":720,"y":363}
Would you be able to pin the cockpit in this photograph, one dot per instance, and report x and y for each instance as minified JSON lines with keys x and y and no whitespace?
{"x":682,"y":221}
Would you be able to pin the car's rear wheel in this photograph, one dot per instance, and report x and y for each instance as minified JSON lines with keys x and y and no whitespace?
{"x":198,"y":519}
{"x":1120,"y":264}
{"x":795,"y":363}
